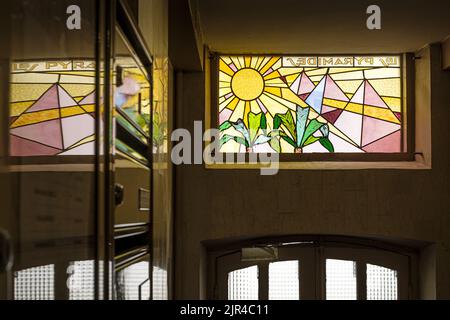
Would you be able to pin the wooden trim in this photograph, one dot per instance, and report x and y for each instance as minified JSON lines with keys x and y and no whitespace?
{"x":312,"y":259}
{"x":409,"y":99}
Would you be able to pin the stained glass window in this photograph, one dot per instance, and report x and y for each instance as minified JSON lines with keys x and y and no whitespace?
{"x":132,"y":94}
{"x":52,"y":108}
{"x":308,"y":104}
{"x":53,"y":104}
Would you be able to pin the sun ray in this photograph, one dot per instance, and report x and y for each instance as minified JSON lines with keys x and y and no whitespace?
{"x":225,"y":68}
{"x":236,"y":62}
{"x":269,"y":64}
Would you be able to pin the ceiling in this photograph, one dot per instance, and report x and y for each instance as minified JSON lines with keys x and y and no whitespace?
{"x":321,"y":26}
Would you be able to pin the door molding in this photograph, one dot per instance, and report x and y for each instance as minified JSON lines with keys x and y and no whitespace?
{"x":312,"y":252}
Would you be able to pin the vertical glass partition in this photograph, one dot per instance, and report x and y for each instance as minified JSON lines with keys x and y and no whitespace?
{"x":52,"y":147}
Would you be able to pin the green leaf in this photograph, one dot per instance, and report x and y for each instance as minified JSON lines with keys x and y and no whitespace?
{"x":254,"y":123}
{"x":240,"y":127}
{"x":275,"y":144}
{"x":263,"y":121}
{"x":261,"y":139}
{"x":288,"y":140}
{"x":224,"y":139}
{"x":302,"y":118}
{"x":324,"y":141}
{"x":225,"y":125}
{"x":312,"y":127}
{"x":242,"y":141}
{"x":141,"y":122}
{"x":276,"y":121}
{"x":310,"y":140}
{"x":287,"y":120}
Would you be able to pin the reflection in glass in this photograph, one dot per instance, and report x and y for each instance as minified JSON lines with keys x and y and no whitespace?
{"x":52,"y":107}
{"x":132,"y":282}
{"x":132,"y":92}
{"x":51,"y":134}
{"x":81,"y":280}
{"x":159,"y":284}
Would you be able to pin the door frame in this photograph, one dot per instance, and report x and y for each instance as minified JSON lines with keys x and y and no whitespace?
{"x":312,"y":255}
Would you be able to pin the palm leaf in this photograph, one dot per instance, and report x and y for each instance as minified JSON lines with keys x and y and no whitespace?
{"x":226,"y":137}
{"x":225,"y":125}
{"x":254,"y":123}
{"x":240,"y":127}
{"x":285,"y":119}
{"x":302,"y":118}
{"x":288,"y":140}
{"x":310,"y":140}
{"x":261,"y":139}
{"x":312,"y":127}
{"x":324,"y":141}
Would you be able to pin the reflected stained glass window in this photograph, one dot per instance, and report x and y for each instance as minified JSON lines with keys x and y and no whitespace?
{"x":132,"y":283}
{"x":52,"y":106}
{"x":132,"y":94}
{"x":81,"y":280}
{"x":308,"y":104}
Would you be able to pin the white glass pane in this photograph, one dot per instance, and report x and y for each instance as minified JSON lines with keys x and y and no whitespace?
{"x":37,"y":283}
{"x":81,"y":280}
{"x":284,"y":280}
{"x":243,"y":284}
{"x":381,"y":283}
{"x":132,"y":280}
{"x":340,"y":279}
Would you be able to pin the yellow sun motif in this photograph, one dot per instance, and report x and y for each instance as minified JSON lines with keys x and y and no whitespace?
{"x":247,"y":84}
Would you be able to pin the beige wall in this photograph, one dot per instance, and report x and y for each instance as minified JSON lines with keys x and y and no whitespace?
{"x":402,"y":204}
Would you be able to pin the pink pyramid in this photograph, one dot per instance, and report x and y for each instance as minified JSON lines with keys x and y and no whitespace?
{"x":306,"y":85}
{"x":46,"y":132}
{"x":374,"y":129}
{"x":65,"y":100}
{"x":89,"y":99}
{"x":371,"y":97}
{"x":302,"y":85}
{"x":332,"y":90}
{"x":49,"y":100}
